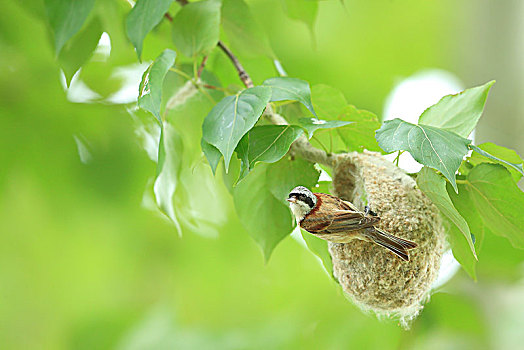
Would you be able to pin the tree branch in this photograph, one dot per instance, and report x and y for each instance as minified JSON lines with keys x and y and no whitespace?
{"x":242,"y":74}
{"x":301,"y":147}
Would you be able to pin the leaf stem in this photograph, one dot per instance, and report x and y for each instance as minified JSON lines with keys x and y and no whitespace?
{"x":321,"y":145}
{"x":195,"y":70}
{"x":202,"y":65}
{"x":179,"y":72}
{"x":397,"y":158}
{"x":212,"y":87}
{"x":209,"y":97}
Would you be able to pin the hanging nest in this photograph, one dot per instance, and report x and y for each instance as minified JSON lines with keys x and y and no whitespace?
{"x":372,"y":277}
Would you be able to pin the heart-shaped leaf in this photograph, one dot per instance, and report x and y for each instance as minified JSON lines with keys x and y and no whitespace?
{"x":328,"y":101}
{"x":79,"y":49}
{"x":245,"y":35}
{"x":265,"y":218}
{"x":269,"y":143}
{"x":304,"y":11}
{"x":498,"y":200}
{"x":66,"y":18}
{"x":458,"y":113}
{"x":434,"y":186}
{"x":196,"y":27}
{"x":150,"y":89}
{"x":436,"y":148}
{"x":360,"y":134}
{"x":287,"y":174}
{"x":284,"y":88}
{"x":142,"y":18}
{"x":313,"y":124}
{"x":232,"y":118}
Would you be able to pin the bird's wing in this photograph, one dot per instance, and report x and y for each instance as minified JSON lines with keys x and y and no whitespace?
{"x":338,"y":221}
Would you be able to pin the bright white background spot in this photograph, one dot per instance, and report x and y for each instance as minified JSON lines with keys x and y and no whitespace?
{"x":103,"y":49}
{"x":131,"y":76}
{"x":78,"y":91}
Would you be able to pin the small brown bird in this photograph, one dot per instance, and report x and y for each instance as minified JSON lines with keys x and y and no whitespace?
{"x":335,"y":220}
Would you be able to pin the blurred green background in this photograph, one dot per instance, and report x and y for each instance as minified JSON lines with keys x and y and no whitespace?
{"x":85,"y":265}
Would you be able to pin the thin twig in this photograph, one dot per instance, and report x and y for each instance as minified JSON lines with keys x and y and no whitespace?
{"x":213,"y":87}
{"x":168,"y":17}
{"x":246,"y":79}
{"x":202,"y":65}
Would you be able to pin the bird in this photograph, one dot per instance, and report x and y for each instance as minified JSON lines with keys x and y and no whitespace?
{"x":339,"y":221}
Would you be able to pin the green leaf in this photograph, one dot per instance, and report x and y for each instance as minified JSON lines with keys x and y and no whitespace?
{"x":319,"y":247}
{"x":66,"y":17}
{"x":242,"y":152}
{"x":266,"y":219}
{"x":212,"y":154}
{"x":323,"y":187}
{"x":430,"y":146}
{"x":458,"y":113}
{"x":150,"y":89}
{"x":168,"y":170}
{"x":499,"y":155}
{"x":142,"y":18}
{"x":461,"y":249}
{"x":230,"y":178}
{"x":313,"y":124}
{"x":287,"y":174}
{"x":284,"y":88}
{"x":498,"y":200}
{"x":304,"y":11}
{"x":434,"y":186}
{"x":245,"y":36}
{"x":233,"y":117}
{"x":269,"y":143}
{"x":496,"y":255}
{"x":465,"y":206}
{"x":196,"y":27}
{"x":328,"y":102}
{"x":360,"y":134}
{"x":79,"y":49}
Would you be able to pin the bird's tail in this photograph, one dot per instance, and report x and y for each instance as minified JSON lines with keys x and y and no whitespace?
{"x":396,"y":245}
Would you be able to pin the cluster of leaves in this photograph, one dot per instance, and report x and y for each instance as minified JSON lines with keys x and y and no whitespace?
{"x":484,"y":195}
{"x":255,"y":168}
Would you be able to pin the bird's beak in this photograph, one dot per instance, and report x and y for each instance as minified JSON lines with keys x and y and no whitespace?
{"x":291,"y":200}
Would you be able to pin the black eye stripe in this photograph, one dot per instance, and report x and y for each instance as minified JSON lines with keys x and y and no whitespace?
{"x":306,"y":199}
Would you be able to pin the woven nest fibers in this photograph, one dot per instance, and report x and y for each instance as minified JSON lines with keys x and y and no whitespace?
{"x":370,"y":275}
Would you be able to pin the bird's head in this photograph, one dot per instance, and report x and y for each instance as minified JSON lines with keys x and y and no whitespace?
{"x":302,"y":201}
